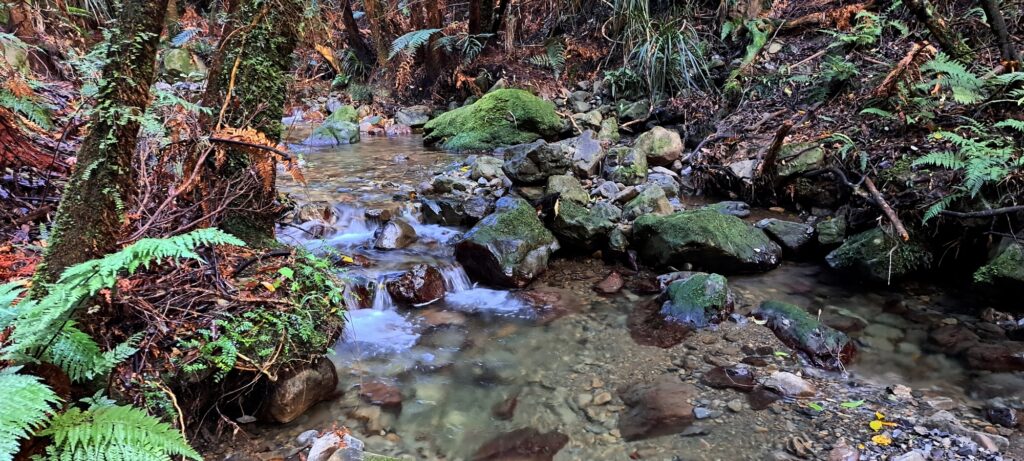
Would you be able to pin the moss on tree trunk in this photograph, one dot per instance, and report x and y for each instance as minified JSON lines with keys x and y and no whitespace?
{"x":91,"y":213}
{"x":247,"y":88}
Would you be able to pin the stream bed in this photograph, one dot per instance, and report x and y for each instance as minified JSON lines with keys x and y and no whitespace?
{"x":544,"y":367}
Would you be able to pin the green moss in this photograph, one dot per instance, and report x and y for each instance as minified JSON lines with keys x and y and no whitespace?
{"x":799,"y":158}
{"x":627,"y":166}
{"x":801,"y":330}
{"x":344,"y":113}
{"x":1007,"y":266}
{"x":878,"y":256}
{"x":499,"y":118}
{"x":579,"y":227}
{"x":705,"y":238}
{"x":514,"y":219}
{"x":698,"y":300}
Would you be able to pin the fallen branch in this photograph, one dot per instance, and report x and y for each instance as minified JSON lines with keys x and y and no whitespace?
{"x":767,"y":161}
{"x":983,"y":213}
{"x":919,"y":52}
{"x":873,"y":196}
{"x":284,"y":155}
{"x":889,"y":213}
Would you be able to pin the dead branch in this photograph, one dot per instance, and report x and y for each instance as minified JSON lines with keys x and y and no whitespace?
{"x":919,"y":53}
{"x":767,"y":164}
{"x":838,"y":17}
{"x":889,"y":213}
{"x":983,"y":213}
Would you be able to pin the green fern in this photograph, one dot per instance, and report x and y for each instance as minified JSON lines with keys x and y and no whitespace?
{"x":80,"y":357}
{"x":27,"y":107}
{"x":23,"y":409}
{"x":107,"y":432}
{"x":409,"y":43}
{"x":947,"y":160}
{"x":952,"y":76}
{"x":1012,"y":124}
{"x":553,"y":56}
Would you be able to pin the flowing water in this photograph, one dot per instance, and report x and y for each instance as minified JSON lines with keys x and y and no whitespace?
{"x":461,"y":362}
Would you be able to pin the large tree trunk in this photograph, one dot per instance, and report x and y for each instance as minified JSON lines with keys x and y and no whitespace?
{"x":247,"y":89}
{"x":996,"y":21}
{"x":376,"y":14}
{"x":949,"y":41}
{"x":354,"y":38}
{"x":481,"y":16}
{"x":90,"y":217}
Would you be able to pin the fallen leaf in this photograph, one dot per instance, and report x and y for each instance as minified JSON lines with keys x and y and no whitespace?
{"x":882,"y":439}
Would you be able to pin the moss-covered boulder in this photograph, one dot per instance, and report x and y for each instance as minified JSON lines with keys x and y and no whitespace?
{"x":795,"y":238}
{"x":706,"y":239}
{"x":651,"y":199}
{"x":568,"y":188}
{"x":609,"y":131}
{"x":1005,"y":271}
{"x":532,"y":163}
{"x":344,"y":113}
{"x":180,"y":65}
{"x":625,"y":165}
{"x":500,"y":118}
{"x":698,"y":300}
{"x":800,"y":330}
{"x":879,"y":257}
{"x":339,"y":128}
{"x":797,"y":158}
{"x":831,"y":231}
{"x":661,"y":146}
{"x":580,"y":228}
{"x":508,"y":248}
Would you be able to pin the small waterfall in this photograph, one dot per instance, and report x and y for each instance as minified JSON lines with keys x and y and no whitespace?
{"x":455,"y":278}
{"x":381,"y":298}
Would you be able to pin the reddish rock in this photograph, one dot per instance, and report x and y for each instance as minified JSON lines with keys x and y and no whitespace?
{"x":550,"y":303}
{"x":739,"y":378}
{"x":611,"y":284}
{"x":380,"y":393}
{"x":506,"y":409}
{"x":762,"y":398}
{"x":297,"y":389}
{"x":953,"y":339}
{"x":648,"y":327}
{"x":526,"y":444}
{"x":438,"y":317}
{"x":659,"y":408}
{"x":1004,"y":356}
{"x":419,"y":285}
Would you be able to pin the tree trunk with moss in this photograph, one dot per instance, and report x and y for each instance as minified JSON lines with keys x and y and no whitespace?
{"x":247,"y":89}
{"x":91,"y":214}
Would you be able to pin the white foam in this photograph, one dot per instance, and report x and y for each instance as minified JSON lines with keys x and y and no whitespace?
{"x":372,"y":332}
{"x":484,"y":300}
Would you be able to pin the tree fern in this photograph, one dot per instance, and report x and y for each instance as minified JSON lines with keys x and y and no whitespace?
{"x":107,"y":432}
{"x":410,"y":42}
{"x":23,"y":409}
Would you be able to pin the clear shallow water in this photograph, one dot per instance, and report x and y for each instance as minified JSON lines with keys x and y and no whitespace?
{"x":456,"y":360}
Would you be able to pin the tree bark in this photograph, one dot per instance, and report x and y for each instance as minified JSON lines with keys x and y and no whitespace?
{"x":90,"y":216}
{"x":499,"y":15}
{"x":247,"y":89}
{"x":949,"y":41}
{"x":355,"y":40}
{"x":475,"y":21}
{"x":996,"y":21}
{"x":376,"y":14}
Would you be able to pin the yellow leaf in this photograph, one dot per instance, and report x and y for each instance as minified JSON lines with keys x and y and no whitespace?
{"x":882,"y":439}
{"x":269,"y":286}
{"x":879,"y":416}
{"x":347,"y":259}
{"x":876,"y":425}
{"x":328,"y":54}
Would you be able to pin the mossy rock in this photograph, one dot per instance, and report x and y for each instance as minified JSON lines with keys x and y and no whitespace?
{"x":879,"y":257}
{"x":508,"y":248}
{"x":797,"y":158}
{"x":180,"y":65}
{"x":568,"y":188}
{"x":625,"y":165}
{"x":706,"y":239}
{"x":1004,"y":272}
{"x":661,"y":146}
{"x":699,"y":300}
{"x":831,"y":231}
{"x":532,"y":163}
{"x":794,"y":237}
{"x":499,"y":118}
{"x":344,"y":113}
{"x":652,"y":199}
{"x":580,"y":228}
{"x":333,"y":133}
{"x":800,"y":330}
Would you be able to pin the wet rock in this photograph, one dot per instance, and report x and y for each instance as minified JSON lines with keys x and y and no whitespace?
{"x":648,"y":327}
{"x":831,"y":231}
{"x":732,"y":208}
{"x":299,"y":388}
{"x":610,"y":285}
{"x":1003,"y":416}
{"x":533,"y":163}
{"x":525,"y":444}
{"x":699,"y":300}
{"x":339,"y":128}
{"x":844,"y":452}
{"x":508,"y":248}
{"x":394,"y":234}
{"x":421,"y":284}
{"x":668,"y":183}
{"x":625,"y":165}
{"x":802,"y":331}
{"x":879,"y":256}
{"x":798,"y":158}
{"x":487,"y":167}
{"x":397,"y":129}
{"x":580,"y":228}
{"x":500,"y":118}
{"x":414,"y":116}
{"x":659,"y":408}
{"x":1006,"y":356}
{"x":789,"y":385}
{"x":762,"y":398}
{"x":738,"y":378}
{"x":315,"y":211}
{"x":442,"y":318}
{"x":706,"y":239}
{"x":1005,"y":271}
{"x":953,"y":339}
{"x":651,"y":200}
{"x":568,"y":188}
{"x":505,"y":409}
{"x":794,"y":237}
{"x":660,"y":146}
{"x":448,"y":183}
{"x":380,"y":393}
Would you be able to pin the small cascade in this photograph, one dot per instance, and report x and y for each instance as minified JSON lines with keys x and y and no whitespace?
{"x":381,"y":298}
{"x":455,"y":278}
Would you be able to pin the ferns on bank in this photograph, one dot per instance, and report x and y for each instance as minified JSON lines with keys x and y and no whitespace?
{"x":409,"y":43}
{"x":107,"y":432}
{"x":23,"y":409}
{"x":952,"y":76}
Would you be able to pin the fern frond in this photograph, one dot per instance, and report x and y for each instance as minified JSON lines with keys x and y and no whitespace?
{"x":938,"y":207}
{"x":947,"y":160}
{"x":1012,"y":124}
{"x":23,"y":409}
{"x":113,"y":432}
{"x":80,"y":357}
{"x":410,"y":42}
{"x":184,"y":36}
{"x":10,"y":292}
{"x":953,"y":76}
{"x":876,"y":111}
{"x":27,"y":107}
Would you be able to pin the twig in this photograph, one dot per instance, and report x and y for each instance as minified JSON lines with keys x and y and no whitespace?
{"x":280,"y":152}
{"x":983,"y":213}
{"x":248,"y":262}
{"x":889,"y":213}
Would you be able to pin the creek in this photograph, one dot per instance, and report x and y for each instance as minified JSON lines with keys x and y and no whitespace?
{"x":460,"y":363}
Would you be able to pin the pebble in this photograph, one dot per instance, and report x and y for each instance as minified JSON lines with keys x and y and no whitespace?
{"x":735,"y":405}
{"x":602,"y":398}
{"x":701,"y":413}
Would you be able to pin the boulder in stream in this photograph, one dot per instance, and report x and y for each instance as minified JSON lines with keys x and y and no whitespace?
{"x":339,"y":128}
{"x":706,"y":239}
{"x":299,"y":388}
{"x":650,"y":200}
{"x":879,"y":256}
{"x":659,"y":408}
{"x":580,"y":228}
{"x":508,"y":248}
{"x":661,"y":146}
{"x":1005,"y":272}
{"x":794,"y":237}
{"x":413,"y":116}
{"x":499,"y":118}
{"x":798,"y":329}
{"x":421,"y":284}
{"x":394,"y":234}
{"x":534,"y":162}
{"x":698,"y":300}
{"x":525,"y":444}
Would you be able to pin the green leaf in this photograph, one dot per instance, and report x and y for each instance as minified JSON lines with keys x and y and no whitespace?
{"x":816,"y":406}
{"x":852,"y":404}
{"x":286,"y":272}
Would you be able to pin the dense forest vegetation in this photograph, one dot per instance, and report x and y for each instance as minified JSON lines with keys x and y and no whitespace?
{"x":150,"y":308}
